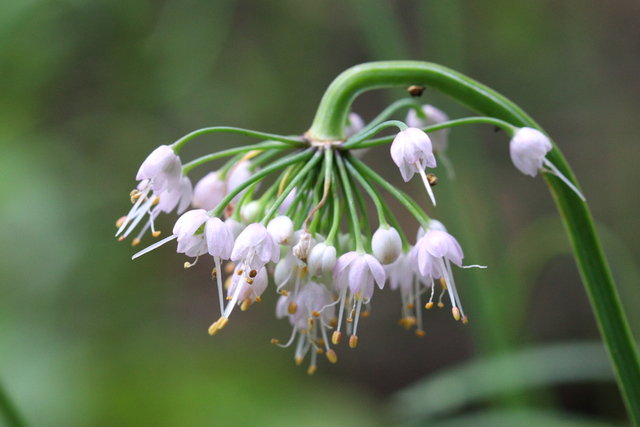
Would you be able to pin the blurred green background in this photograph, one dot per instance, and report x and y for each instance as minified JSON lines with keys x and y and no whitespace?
{"x":88,"y":88}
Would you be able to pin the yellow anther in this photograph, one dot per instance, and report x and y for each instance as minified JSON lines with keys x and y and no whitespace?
{"x":274,"y":341}
{"x":443,"y":283}
{"x":135,"y":195}
{"x":239,"y":272}
{"x":253,"y":273}
{"x":213,"y":329}
{"x":321,"y":342}
{"x":135,"y":242}
{"x":310,"y":321}
{"x":156,"y":200}
{"x":440,"y":305}
{"x":420,"y":333}
{"x":315,"y":313}
{"x":222,"y":322}
{"x":214,"y":273}
{"x":293,"y":307}
{"x":229,"y":298}
{"x":353,"y":341}
{"x":245,"y":304}
{"x":249,"y":280}
{"x":258,"y":299}
{"x":456,"y":313}
{"x":302,"y":271}
{"x":349,"y":320}
{"x":465,"y":320}
{"x":364,"y":314}
{"x":335,"y":338}
{"x":429,"y":305}
{"x":299,"y":360}
{"x":332,"y":356}
{"x":334,"y":322}
{"x":227,"y":283}
{"x":411,"y":306}
{"x":156,"y":233}
{"x":285,"y":293}
{"x":121,"y":238}
{"x":312,"y":369}
{"x":320,"y":351}
{"x":187,"y":264}
{"x":121,"y":221}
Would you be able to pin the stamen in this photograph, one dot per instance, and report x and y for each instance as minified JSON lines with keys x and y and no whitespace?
{"x":332,"y":356}
{"x":121,"y":221}
{"x":189,"y":265}
{"x":245,"y":304}
{"x":456,"y":313}
{"x":155,"y":245}
{"x":335,"y":338}
{"x":564,"y":179}
{"x":427,"y":185}
{"x":292,"y":307}
{"x":353,"y":341}
{"x":355,"y":325}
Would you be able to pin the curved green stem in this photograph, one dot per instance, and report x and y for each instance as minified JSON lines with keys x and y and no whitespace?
{"x":328,"y":125}
{"x":372,"y":193}
{"x":295,"y":141}
{"x":348,"y":195}
{"x":449,"y":124}
{"x":230,"y":152}
{"x":391,"y":110}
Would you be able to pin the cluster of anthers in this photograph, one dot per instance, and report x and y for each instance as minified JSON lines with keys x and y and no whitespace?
{"x":324,"y":269}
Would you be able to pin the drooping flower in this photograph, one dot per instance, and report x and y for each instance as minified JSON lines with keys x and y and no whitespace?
{"x":209,"y":191}
{"x":386,"y":245}
{"x":356,"y":272}
{"x":198,"y":233}
{"x":322,"y":259}
{"x":432,"y":256}
{"x":281,"y":229}
{"x":412,"y":152}
{"x":433,"y":116}
{"x":529,"y":148}
{"x":162,"y":168}
{"x":255,"y":247}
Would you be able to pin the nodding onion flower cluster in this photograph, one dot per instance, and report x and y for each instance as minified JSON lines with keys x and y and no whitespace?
{"x":324,"y":269}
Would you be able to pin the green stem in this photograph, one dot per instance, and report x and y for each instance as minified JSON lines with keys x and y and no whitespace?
{"x":335,"y":224}
{"x":363,"y":136}
{"x":230,"y":152}
{"x":391,"y":110}
{"x":407,"y":201}
{"x":299,"y":177}
{"x":449,"y":124}
{"x":348,"y":196}
{"x":306,"y":154}
{"x":295,"y":141}
{"x":372,"y":193}
{"x":11,"y":415}
{"x":328,"y":125}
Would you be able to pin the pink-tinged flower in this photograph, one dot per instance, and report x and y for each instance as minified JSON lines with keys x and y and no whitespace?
{"x":209,"y":192}
{"x":528,"y":149}
{"x":433,"y":116}
{"x":386,"y":245}
{"x":162,"y":168}
{"x":432,"y":257}
{"x":357,"y":272}
{"x":247,"y":290}
{"x":412,"y":152}
{"x":198,"y":233}
{"x":255,"y":247}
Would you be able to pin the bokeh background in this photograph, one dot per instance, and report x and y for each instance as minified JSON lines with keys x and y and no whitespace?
{"x":88,"y":88}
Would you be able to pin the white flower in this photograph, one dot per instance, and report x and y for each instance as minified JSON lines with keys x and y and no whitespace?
{"x":209,"y":192}
{"x":198,"y":233}
{"x":321,"y":260}
{"x":432,"y":257}
{"x":162,"y":168}
{"x":411,"y":151}
{"x":281,"y":229}
{"x":245,"y":290}
{"x":354,"y":125}
{"x":255,"y":247}
{"x":180,"y":196}
{"x":386,"y":245}
{"x":358,"y":271}
{"x":434,"y":116}
{"x":528,"y":148}
{"x":400,"y":274}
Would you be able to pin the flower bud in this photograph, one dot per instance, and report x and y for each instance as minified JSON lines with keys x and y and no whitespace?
{"x":249,"y":212}
{"x":386,"y":245}
{"x":281,"y":228}
{"x":322,"y":259}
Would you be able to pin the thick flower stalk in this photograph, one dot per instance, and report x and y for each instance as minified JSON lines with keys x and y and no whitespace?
{"x":290,"y":214}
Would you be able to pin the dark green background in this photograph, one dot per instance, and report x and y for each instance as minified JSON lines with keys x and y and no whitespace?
{"x":89,"y":88}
